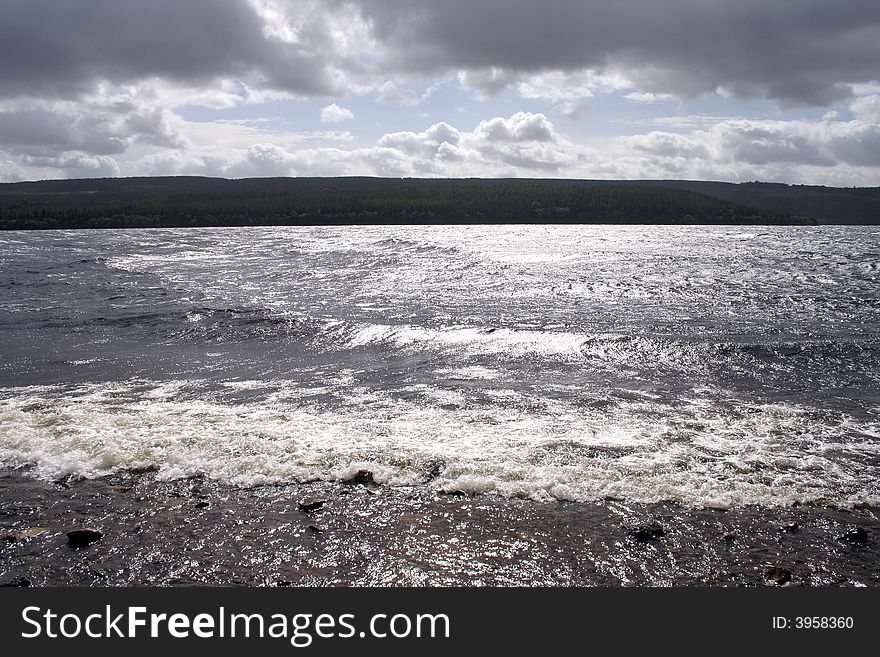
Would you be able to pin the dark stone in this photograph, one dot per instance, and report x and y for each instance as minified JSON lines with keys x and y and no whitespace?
{"x":645,"y":533}
{"x":776,"y":576}
{"x":8,"y":538}
{"x":361,"y":477}
{"x":84,"y":536}
{"x":316,"y":529}
{"x":729,"y":536}
{"x":310,"y":505}
{"x":791,"y":527}
{"x":144,"y":469}
{"x":202,"y":505}
{"x":454,"y":493}
{"x":19,"y":582}
{"x":434,"y":470}
{"x":857,"y":536}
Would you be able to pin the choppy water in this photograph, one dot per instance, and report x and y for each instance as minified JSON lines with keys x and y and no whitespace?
{"x":713,"y":366}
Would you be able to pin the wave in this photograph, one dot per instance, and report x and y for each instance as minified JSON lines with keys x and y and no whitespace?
{"x":612,"y":349}
{"x":699,"y":453}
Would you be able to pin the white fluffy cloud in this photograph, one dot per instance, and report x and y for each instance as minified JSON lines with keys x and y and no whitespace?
{"x":333,"y":113}
{"x":867,"y":108}
{"x":524,"y":144}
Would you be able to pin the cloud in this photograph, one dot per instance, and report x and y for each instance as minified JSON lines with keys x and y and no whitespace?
{"x":63,"y":135}
{"x":572,"y":109}
{"x":77,"y":166}
{"x":427,"y":143}
{"x":333,"y":113}
{"x":829,"y":151}
{"x":521,"y":127}
{"x":763,"y":143}
{"x":667,"y":144}
{"x":867,"y":108}
{"x":487,"y":82}
{"x":266,"y":160}
{"x":648,"y":97}
{"x":795,"y":51}
{"x":569,"y":85}
{"x":522,"y":144}
{"x":95,"y":87}
{"x":391,"y":92}
{"x":65,"y":49}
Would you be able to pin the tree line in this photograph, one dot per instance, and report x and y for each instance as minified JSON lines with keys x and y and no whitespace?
{"x":180,"y":202}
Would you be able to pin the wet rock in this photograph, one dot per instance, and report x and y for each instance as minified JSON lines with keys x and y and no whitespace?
{"x":790,"y":527}
{"x":315,"y":529}
{"x":144,"y":469}
{"x":84,"y":536}
{"x":310,"y":505}
{"x":857,"y":536}
{"x":361,"y":477}
{"x":8,"y":537}
{"x":645,"y":533}
{"x":433,"y":470}
{"x":454,"y":492}
{"x":202,"y":505}
{"x":776,"y":576}
{"x":18,"y":581}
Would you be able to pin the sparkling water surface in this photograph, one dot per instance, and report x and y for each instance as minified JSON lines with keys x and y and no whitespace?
{"x":711,"y":366}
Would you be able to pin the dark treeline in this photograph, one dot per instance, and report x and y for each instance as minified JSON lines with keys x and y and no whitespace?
{"x":184,"y":201}
{"x":834,"y":205}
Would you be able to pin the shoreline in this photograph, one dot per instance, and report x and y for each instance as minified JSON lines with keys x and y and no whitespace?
{"x":201,"y":532}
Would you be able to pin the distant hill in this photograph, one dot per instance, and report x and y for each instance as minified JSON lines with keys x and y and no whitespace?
{"x":832,"y":205}
{"x":195,"y":201}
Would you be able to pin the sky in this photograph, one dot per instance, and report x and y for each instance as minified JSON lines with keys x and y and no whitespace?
{"x":734,"y":90}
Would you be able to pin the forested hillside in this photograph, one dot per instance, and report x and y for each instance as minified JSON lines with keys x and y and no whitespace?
{"x":183,"y":201}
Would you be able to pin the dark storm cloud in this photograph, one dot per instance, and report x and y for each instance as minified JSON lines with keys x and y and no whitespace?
{"x":37,"y":132}
{"x":44,"y":133}
{"x":52,"y":48}
{"x":797,"y":51}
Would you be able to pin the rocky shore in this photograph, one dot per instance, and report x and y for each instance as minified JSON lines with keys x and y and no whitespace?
{"x":131,"y":529}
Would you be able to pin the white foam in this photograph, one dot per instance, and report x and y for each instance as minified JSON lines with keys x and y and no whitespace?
{"x":547,"y":344}
{"x":475,"y":341}
{"x":773,"y":455}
